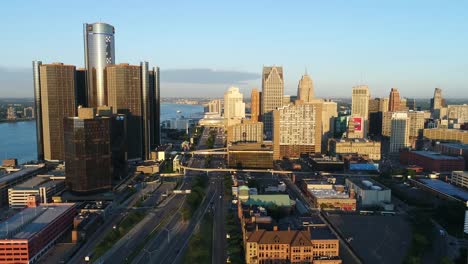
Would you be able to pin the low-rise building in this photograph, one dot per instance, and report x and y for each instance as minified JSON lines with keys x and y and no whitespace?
{"x":334,"y":198}
{"x":250,"y":155}
{"x":454,"y":149}
{"x":30,"y":233}
{"x":432,"y":161}
{"x":459,"y":178}
{"x":148,"y":167}
{"x":368,"y":192}
{"x":266,"y":200}
{"x":360,"y":146}
{"x":176,"y":163}
{"x":41,"y":186}
{"x":447,"y":135}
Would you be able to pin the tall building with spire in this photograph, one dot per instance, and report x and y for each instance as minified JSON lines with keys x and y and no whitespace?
{"x":394,"y":103}
{"x":99,"y":51}
{"x":272,"y":96}
{"x":305,"y":89}
{"x":255,"y":104}
{"x":360,"y":105}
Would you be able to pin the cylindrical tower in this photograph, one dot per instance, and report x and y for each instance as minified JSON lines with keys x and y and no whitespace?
{"x":99,"y":52}
{"x":38,"y":109}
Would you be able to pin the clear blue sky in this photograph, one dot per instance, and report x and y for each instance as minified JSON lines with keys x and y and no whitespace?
{"x":412,"y":45}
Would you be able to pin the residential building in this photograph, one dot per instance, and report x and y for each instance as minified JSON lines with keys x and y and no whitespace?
{"x":305,"y":89}
{"x":11,"y":113}
{"x":416,"y":123}
{"x":359,"y":146}
{"x":247,"y":131}
{"x":399,"y":137}
{"x":255,"y":104}
{"x":272,"y":96}
{"x":54,"y":92}
{"x":459,"y":178}
{"x":458,"y":112}
{"x":297,"y":129}
{"x":99,"y":52}
{"x":29,"y":234}
{"x":87,"y":152}
{"x":215,"y":106}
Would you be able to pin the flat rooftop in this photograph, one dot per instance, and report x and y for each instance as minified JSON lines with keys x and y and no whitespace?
{"x":30,"y":221}
{"x":455,"y":145}
{"x":321,"y":233}
{"x":21,"y":173}
{"x":435,"y":155}
{"x":360,"y":184}
{"x":328,"y":193}
{"x":355,"y":140}
{"x":446,"y":188}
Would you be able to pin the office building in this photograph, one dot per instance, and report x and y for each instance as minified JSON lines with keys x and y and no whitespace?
{"x":383,"y":104}
{"x":403,"y":104}
{"x":272,"y":96}
{"x":394,"y":100}
{"x":400,"y":126}
{"x":355,"y":127}
{"x":87,"y":152}
{"x":28,"y":235}
{"x":368,"y":192}
{"x":250,"y":155}
{"x":458,"y":112}
{"x":234,"y":106}
{"x":55,"y":99}
{"x":134,"y":91}
{"x":446,"y":135}
{"x":374,"y":105}
{"x":305,"y":89}
{"x":247,"y":131}
{"x":255,"y":104}
{"x":329,"y":113}
{"x":297,"y":129}
{"x":329,"y":196}
{"x":387,"y":123}
{"x":215,"y":106}
{"x":360,"y":105}
{"x":411,"y":104}
{"x":459,"y":178}
{"x":99,"y":52}
{"x":81,"y":92}
{"x":453,"y":149}
{"x":286,"y":99}
{"x":437,"y":101}
{"x":360,"y":146}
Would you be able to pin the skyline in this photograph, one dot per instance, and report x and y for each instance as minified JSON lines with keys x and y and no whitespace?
{"x":401,"y":45}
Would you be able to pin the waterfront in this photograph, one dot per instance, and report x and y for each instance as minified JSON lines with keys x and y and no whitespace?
{"x":18,"y":139}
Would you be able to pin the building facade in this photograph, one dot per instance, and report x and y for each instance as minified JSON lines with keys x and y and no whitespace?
{"x":297,"y":130}
{"x":305,"y":89}
{"x":399,"y":137}
{"x":55,"y":99}
{"x":394,"y":103}
{"x":448,"y":135}
{"x":245,"y":132}
{"x":255,"y":104}
{"x":234,"y":106}
{"x":360,"y":104}
{"x":459,"y":178}
{"x":272,"y":96}
{"x":359,"y":146}
{"x":87,"y":152}
{"x":215,"y":106}
{"x":99,"y":51}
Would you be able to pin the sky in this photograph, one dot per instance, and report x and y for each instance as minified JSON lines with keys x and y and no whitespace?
{"x":203,"y":47}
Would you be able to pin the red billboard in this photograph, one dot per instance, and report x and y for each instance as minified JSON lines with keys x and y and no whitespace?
{"x":357,"y":124}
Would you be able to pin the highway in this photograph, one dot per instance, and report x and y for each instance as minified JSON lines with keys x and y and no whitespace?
{"x":218,"y":251}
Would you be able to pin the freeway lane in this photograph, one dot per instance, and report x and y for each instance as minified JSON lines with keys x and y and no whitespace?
{"x":218,"y":251}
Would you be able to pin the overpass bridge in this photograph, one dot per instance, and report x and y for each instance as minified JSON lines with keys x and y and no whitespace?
{"x":237,"y":170}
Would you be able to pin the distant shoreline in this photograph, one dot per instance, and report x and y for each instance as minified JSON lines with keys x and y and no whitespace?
{"x":17,"y":120}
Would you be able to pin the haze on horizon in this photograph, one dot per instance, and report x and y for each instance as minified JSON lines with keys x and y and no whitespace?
{"x":205,"y":47}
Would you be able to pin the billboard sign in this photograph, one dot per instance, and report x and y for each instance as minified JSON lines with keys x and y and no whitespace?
{"x":358,"y":124}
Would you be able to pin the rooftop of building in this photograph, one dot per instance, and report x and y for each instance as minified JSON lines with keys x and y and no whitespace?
{"x":37,"y":182}
{"x":446,"y":130}
{"x":354,"y":140}
{"x":290,"y":237}
{"x":249,"y":147}
{"x":30,"y":221}
{"x":435,"y":155}
{"x":446,"y":188}
{"x":328,"y":193}
{"x":455,"y":145}
{"x":21,"y":173}
{"x":367,"y":184}
{"x":321,"y":233}
{"x":269,"y":199}
{"x":463,"y":173}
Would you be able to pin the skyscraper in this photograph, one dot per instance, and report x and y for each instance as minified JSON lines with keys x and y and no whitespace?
{"x":133,"y":91}
{"x":99,"y":52}
{"x":55,"y":91}
{"x":360,"y":105}
{"x":305,"y":89}
{"x":399,"y":137}
{"x":394,"y":103}
{"x":81,"y":98}
{"x":272,"y":96}
{"x":255,"y":105}
{"x":437,"y":100}
{"x":297,"y":129}
{"x":87,"y":152}
{"x":155,"y":98}
{"x":329,"y":112}
{"x":215,"y":106}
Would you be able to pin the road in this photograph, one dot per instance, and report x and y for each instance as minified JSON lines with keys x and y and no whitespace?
{"x":218,"y":251}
